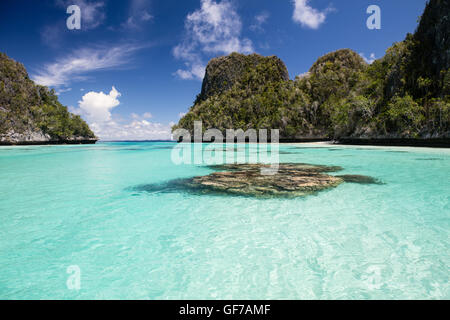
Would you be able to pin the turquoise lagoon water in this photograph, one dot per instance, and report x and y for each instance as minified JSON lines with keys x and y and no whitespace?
{"x":64,"y":206}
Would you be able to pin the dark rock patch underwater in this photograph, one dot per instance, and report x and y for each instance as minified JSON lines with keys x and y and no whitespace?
{"x":354,"y":178}
{"x":290,"y":180}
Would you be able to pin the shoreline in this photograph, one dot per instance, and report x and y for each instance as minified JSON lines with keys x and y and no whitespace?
{"x":427,"y":143}
{"x":430,"y":143}
{"x":420,"y":143}
{"x":47,"y":143}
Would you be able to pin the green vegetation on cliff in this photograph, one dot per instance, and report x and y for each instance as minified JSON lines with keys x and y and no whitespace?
{"x":405,"y":94}
{"x":27,"y":108}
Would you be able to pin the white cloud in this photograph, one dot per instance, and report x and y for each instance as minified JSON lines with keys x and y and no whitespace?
{"x":133,"y":22}
{"x":74,"y":110}
{"x":146,"y":16}
{"x":92,"y":12}
{"x":213,"y":29}
{"x":307,"y":16}
{"x":97,"y":106}
{"x":72,"y":67}
{"x":58,"y":92}
{"x":304,"y":75}
{"x":260,"y":20}
{"x":369,"y":60}
{"x":132,"y":130}
{"x":196,"y":71}
{"x":146,"y":115}
{"x":138,"y":14}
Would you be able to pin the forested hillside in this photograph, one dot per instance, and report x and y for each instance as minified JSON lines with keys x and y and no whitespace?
{"x":30,"y":113}
{"x":404,"y":95}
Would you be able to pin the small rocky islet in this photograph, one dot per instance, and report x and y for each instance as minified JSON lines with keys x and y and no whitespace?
{"x":291,"y":180}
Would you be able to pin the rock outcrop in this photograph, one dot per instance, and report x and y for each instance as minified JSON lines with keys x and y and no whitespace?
{"x":291,"y":180}
{"x":431,"y":52}
{"x":339,"y":60}
{"x":225,"y":72}
{"x":32,"y":114}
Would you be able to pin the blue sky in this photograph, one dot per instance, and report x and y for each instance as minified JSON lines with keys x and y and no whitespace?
{"x":135,"y":66}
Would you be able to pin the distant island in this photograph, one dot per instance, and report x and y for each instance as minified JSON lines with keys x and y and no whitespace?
{"x":31,"y":114}
{"x":400,"y":99}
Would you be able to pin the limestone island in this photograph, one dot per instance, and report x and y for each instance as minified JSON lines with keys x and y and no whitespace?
{"x":31,"y":114}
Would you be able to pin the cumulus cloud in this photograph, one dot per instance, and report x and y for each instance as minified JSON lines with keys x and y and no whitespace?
{"x":213,"y":29}
{"x":74,"y":66}
{"x":132,"y":130}
{"x":97,"y":106}
{"x":307,"y":16}
{"x":369,"y":60}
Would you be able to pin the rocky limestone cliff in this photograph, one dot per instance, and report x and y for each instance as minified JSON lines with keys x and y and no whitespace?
{"x":225,"y":72}
{"x":431,"y":54}
{"x":260,"y":95}
{"x":420,"y":64}
{"x":339,"y":60}
{"x":32,"y":114}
